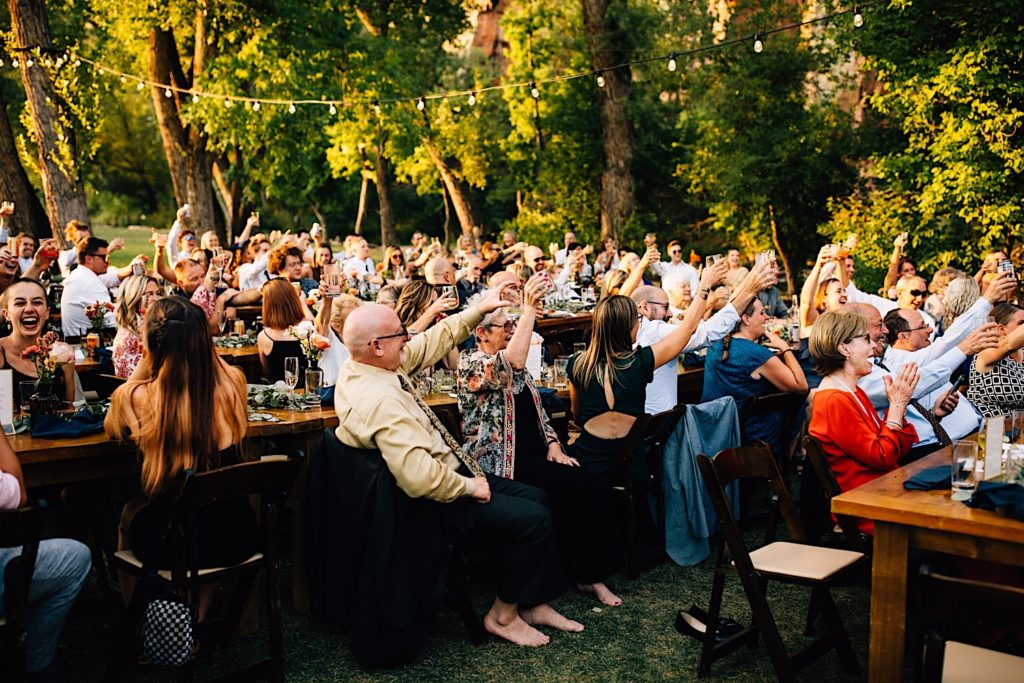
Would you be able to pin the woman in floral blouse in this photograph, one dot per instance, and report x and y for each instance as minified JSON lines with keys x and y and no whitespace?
{"x":509,"y":434}
{"x":137,"y":293}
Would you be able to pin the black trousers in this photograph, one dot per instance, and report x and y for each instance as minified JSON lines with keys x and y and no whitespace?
{"x":584,"y":514}
{"x":517,"y":524}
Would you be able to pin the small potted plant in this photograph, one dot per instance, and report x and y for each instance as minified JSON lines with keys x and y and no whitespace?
{"x":313,"y":344}
{"x":49,"y":356}
{"x":97,"y":315}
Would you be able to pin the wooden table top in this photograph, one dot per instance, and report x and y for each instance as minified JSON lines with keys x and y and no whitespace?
{"x":228,"y":353}
{"x":581,"y":320}
{"x":885,"y":500}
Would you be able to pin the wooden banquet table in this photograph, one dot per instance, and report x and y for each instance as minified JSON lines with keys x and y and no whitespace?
{"x":928,"y":520}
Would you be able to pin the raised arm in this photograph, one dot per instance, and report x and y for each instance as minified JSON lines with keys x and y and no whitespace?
{"x":807,"y":312}
{"x":637,"y":276}
{"x":671,"y":346}
{"x":892,"y":273}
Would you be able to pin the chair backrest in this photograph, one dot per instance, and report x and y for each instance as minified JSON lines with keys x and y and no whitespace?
{"x":963,"y":610}
{"x":786,"y":404}
{"x":829,"y":489}
{"x":748,"y":462}
{"x":20,"y":527}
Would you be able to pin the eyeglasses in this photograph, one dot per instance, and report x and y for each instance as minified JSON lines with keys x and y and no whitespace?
{"x":509,"y":325}
{"x":656,"y":303}
{"x":924,"y":326}
{"x":105,"y":257}
{"x":403,"y":333}
{"x":865,"y":337}
{"x":189,"y":238}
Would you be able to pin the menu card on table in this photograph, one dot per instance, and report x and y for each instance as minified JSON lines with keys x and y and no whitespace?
{"x":7,"y":401}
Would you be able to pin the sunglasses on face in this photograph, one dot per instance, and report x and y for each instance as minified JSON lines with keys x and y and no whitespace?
{"x":675,"y":251}
{"x":918,"y":292}
{"x":508,"y":325}
{"x":104,"y":257}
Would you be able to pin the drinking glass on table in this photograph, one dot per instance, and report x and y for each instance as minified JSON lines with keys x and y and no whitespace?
{"x":962,"y":469}
{"x":1017,"y":421}
{"x":25,"y":391}
{"x":561,"y":377}
{"x":314,"y":381}
{"x":291,"y":372}
{"x":220,"y":318}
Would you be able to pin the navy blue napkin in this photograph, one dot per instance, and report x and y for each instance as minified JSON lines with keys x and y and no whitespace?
{"x":931,"y":479}
{"x":549,"y":400}
{"x":1002,"y":497}
{"x":327,"y":395}
{"x":82,"y":423}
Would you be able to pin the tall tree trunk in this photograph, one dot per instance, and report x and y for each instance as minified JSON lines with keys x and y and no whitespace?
{"x":782,"y":253}
{"x":185,"y":146}
{"x":361,"y":209}
{"x":457,"y":190}
{"x":447,"y":217}
{"x":382,"y":180}
{"x":230,"y":194}
{"x":606,"y":50}
{"x":29,"y":215}
{"x":58,"y":153}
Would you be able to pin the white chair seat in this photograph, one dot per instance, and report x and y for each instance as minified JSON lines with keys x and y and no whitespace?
{"x":969,"y":664}
{"x":802,"y":561}
{"x":129,"y":557}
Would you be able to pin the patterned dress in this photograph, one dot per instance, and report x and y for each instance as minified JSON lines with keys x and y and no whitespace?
{"x":488,"y":385}
{"x":127,"y":352}
{"x":999,"y":390}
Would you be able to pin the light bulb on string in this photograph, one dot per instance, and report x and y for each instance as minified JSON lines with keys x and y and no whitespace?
{"x":227,"y":102}
{"x":672,"y":62}
{"x":141,"y":85}
{"x":472,"y":98}
{"x":291,"y":108}
{"x":123,"y":79}
{"x":168,"y":93}
{"x":255,"y":106}
{"x":758,"y":43}
{"x":14,"y":63}
{"x":600,"y":80}
{"x":858,"y":17}
{"x":376,"y":106}
{"x":78,"y":63}
{"x":421,"y":104}
{"x":332,"y":109}
{"x":29,"y":63}
{"x":534,"y":91}
{"x":195,"y":98}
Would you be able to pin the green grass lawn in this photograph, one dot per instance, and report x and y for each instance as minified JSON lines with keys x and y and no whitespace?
{"x":136,"y":241}
{"x":636,"y":642}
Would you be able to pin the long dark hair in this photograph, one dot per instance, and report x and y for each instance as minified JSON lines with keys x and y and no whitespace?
{"x":611,"y":345}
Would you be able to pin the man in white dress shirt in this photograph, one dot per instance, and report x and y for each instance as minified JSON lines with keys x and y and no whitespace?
{"x":652,"y":302}
{"x":88,"y":283}
{"x":676,"y":267}
{"x":570,"y":238}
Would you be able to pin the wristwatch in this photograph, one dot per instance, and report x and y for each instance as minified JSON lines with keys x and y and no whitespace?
{"x":703,"y":293}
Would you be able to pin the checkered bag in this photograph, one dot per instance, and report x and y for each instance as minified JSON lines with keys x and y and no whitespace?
{"x":168,"y":638}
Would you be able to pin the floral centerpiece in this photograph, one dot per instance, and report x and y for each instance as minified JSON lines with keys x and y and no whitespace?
{"x":49,"y":356}
{"x":313,"y":344}
{"x":97,"y":314}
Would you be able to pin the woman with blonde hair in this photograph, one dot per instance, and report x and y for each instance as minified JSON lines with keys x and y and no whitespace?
{"x":608,"y":382}
{"x":136,"y":295}
{"x":394,"y":269}
{"x":935,"y":304}
{"x":336,"y":354}
{"x":186,"y":410}
{"x":419,"y":306}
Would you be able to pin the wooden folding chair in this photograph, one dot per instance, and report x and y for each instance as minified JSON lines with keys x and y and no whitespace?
{"x":636,"y":473}
{"x":17,"y":528}
{"x":955,"y":612}
{"x":829,"y":488}
{"x":785,"y":561}
{"x":783,"y":403}
{"x":269,"y":479}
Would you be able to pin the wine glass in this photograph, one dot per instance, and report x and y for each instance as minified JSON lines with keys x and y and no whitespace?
{"x":218,"y":259}
{"x":291,"y":372}
{"x":222,"y":321}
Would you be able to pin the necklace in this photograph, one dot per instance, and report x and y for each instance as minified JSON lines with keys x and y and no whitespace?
{"x":840,"y":382}
{"x":871,"y":415}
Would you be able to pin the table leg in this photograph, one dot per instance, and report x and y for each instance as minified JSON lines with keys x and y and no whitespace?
{"x":300,"y":586}
{"x":888,"y":602}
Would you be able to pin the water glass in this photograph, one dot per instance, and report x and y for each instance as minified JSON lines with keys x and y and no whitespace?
{"x":561,"y":373}
{"x":1015,"y":464}
{"x":1017,"y":420}
{"x":25,"y":391}
{"x":332,"y":278}
{"x":425,"y":386}
{"x":962,"y":469}
{"x":291,"y":372}
{"x":314,"y":381}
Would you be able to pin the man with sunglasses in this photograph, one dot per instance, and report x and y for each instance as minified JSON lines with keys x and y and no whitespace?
{"x":88,"y":283}
{"x":378,"y":409}
{"x":676,"y":267}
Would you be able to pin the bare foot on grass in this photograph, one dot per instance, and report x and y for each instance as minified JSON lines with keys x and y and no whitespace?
{"x":516,"y":631}
{"x":602,"y":593}
{"x":545,"y":615}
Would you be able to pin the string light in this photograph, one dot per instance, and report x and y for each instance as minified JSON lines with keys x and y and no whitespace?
{"x":255,"y":106}
{"x":29,"y":63}
{"x":14,"y":63}
{"x":332,"y":109}
{"x":168,"y":93}
{"x":671,"y":61}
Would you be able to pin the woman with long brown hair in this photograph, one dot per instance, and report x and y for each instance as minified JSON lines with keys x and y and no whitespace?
{"x":282,"y":308}
{"x":608,"y":381}
{"x":394,"y":268}
{"x":186,"y":410}
{"x":419,"y":305}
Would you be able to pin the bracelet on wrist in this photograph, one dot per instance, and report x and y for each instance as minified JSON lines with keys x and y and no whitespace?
{"x":893,"y":424}
{"x":703,"y":293}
